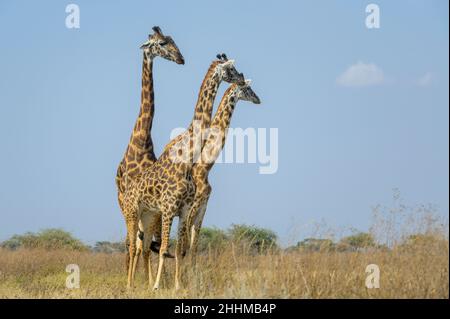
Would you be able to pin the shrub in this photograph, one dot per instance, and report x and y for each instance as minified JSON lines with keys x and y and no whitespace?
{"x":259,"y":239}
{"x":315,"y":244}
{"x":109,"y":247}
{"x":48,"y":239}
{"x":357,"y":242}
{"x":425,"y":242}
{"x":211,"y":238}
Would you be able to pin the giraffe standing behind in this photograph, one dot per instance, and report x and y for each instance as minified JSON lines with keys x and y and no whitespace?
{"x":213,"y":146}
{"x":165,"y":189}
{"x":140,"y":151}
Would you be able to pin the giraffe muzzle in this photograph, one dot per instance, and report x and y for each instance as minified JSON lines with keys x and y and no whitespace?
{"x":180,"y":60}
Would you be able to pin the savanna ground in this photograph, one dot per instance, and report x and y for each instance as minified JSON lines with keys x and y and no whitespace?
{"x":421,"y":272}
{"x":412,"y":255}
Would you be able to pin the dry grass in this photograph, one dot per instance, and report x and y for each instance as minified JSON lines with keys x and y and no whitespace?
{"x":412,"y":253}
{"x":419,"y":271}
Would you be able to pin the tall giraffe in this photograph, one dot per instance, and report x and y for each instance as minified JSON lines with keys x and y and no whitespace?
{"x":213,"y":146}
{"x":165,"y":188}
{"x":140,"y":153}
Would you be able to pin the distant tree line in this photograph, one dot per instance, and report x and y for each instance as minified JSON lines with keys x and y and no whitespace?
{"x":357,"y":242}
{"x":255,"y":239}
{"x":247,"y":239}
{"x":47,"y":239}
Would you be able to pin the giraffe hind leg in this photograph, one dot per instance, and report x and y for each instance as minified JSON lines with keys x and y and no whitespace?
{"x":132,"y":228}
{"x":181,"y":244}
{"x":167,"y":219}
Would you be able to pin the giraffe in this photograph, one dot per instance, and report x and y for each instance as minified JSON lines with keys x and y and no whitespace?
{"x":213,"y":146}
{"x":140,"y":153}
{"x":164,"y":189}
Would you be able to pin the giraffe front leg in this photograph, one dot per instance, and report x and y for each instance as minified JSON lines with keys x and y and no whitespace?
{"x":167,"y":219}
{"x":139,"y":245}
{"x":201,"y":201}
{"x":190,"y":220}
{"x":127,"y":253}
{"x":195,"y":231}
{"x":180,"y":248}
{"x":132,"y":228}
{"x":151,"y":221}
{"x":146,"y":259}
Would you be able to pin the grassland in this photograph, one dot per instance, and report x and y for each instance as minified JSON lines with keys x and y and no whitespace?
{"x":410,"y":246}
{"x":418,"y":271}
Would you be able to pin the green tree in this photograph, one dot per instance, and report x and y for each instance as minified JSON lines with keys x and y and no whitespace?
{"x":259,"y":239}
{"x":428,"y":242}
{"x":48,"y":239}
{"x":211,"y":238}
{"x":109,"y":247}
{"x":316,"y":244}
{"x":358,"y":241}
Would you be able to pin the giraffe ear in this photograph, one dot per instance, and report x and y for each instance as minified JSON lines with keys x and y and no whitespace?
{"x":229,"y":63}
{"x":145,"y":45}
{"x":248,"y":82}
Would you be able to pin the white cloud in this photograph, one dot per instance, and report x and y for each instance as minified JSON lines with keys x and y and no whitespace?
{"x":425,"y":80}
{"x":360,"y":75}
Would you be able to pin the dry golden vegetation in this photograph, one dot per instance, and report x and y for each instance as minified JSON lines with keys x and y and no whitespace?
{"x":413,"y":263}
{"x":416,"y":271}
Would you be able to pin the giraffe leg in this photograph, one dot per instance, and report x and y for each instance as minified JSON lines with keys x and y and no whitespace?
{"x":195,"y":232}
{"x":127,"y":254}
{"x":196,"y":215}
{"x":180,"y":247}
{"x":149,"y":225}
{"x":142,"y":241}
{"x":156,"y":244}
{"x":190,"y":220}
{"x":147,"y":258}
{"x":167,"y":219}
{"x":195,"y":229}
{"x":139,"y":243}
{"x":127,"y":239}
{"x":132,"y":227}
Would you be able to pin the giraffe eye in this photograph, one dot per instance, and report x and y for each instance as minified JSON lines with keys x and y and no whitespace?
{"x":163,"y":43}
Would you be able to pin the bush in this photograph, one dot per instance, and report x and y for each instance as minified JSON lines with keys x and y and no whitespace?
{"x":211,"y":238}
{"x":427,"y":242}
{"x":109,"y":247}
{"x":359,"y":241}
{"x":259,"y":239}
{"x":315,"y":244}
{"x":47,"y":239}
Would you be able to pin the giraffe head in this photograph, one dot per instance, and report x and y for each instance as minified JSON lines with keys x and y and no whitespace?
{"x":245,"y":92}
{"x":161,"y":45}
{"x":226,"y":71}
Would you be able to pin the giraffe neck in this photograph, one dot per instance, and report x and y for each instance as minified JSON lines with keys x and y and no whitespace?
{"x":141,"y":138}
{"x":218,"y":129}
{"x":191,"y":140}
{"x":205,"y":100}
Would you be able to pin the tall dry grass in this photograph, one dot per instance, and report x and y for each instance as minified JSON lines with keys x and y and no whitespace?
{"x":416,"y":271}
{"x":412,"y":255}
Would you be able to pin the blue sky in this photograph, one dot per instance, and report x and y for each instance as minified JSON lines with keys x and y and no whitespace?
{"x":359,"y":111}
